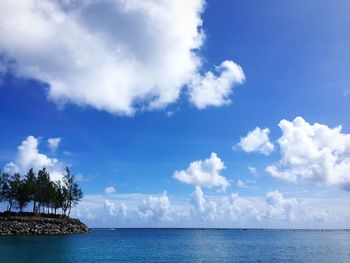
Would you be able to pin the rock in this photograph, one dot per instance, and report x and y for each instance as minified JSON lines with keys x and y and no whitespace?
{"x":37,"y":224}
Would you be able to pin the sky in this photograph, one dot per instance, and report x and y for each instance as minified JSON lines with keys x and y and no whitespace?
{"x":183,"y":113}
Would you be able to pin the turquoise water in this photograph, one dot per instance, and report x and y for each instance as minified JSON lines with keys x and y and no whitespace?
{"x":165,"y":245}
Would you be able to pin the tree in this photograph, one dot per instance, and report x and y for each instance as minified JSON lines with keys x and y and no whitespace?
{"x":7,"y":193}
{"x":72,"y":192}
{"x":32,"y":188}
{"x":4,"y":187}
{"x":2,"y":197}
{"x":50,"y":196}
{"x":43,"y":183}
{"x":20,"y":192}
{"x":66,"y":203}
{"x":59,"y":197}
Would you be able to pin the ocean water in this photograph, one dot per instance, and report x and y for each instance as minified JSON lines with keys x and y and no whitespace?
{"x":171,"y":245}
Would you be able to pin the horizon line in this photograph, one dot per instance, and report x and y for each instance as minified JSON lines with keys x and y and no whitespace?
{"x":219,"y":228}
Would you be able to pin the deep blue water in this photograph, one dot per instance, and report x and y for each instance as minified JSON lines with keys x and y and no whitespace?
{"x":166,"y":245}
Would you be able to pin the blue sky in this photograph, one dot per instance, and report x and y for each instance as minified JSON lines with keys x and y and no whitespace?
{"x":295,"y":57}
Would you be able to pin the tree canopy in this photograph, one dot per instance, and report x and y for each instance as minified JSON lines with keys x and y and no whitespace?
{"x":46,"y":196}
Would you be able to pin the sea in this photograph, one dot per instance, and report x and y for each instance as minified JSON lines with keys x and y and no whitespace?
{"x":180,"y":245}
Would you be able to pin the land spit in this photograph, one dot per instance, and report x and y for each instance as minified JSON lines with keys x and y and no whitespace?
{"x":39,"y":224}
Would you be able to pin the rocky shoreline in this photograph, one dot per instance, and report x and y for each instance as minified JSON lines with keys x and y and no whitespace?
{"x":29,"y":224}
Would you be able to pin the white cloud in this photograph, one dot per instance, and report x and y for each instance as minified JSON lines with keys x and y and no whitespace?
{"x":241,"y":209}
{"x":281,"y":208}
{"x":82,"y":178}
{"x":212,"y":90}
{"x":169,"y":113}
{"x":198,"y":200}
{"x":202,"y":208}
{"x":11,"y":168}
{"x":53,"y":143}
{"x":204,"y":173}
{"x":113,"y":55}
{"x":110,"y":190}
{"x":241,"y":184}
{"x":115,"y":210}
{"x":219,"y":210}
{"x":223,"y":209}
{"x":234,"y":209}
{"x":123,"y":209}
{"x":28,"y":156}
{"x":313,"y":152}
{"x":253,"y":170}
{"x":257,"y":141}
{"x":156,"y":208}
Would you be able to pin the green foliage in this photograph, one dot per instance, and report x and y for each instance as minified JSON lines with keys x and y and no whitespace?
{"x":73,"y":193}
{"x":45,"y":195}
{"x":6,"y":192}
{"x":32,"y":188}
{"x":20,"y":191}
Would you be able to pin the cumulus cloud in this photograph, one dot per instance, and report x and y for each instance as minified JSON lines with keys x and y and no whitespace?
{"x":219,"y":210}
{"x":28,"y":156}
{"x":115,"y":210}
{"x":313,"y":152}
{"x":114,"y":55}
{"x":204,"y":173}
{"x":203,"y":208}
{"x":257,"y":141}
{"x":156,"y":208}
{"x":238,"y":209}
{"x":281,"y":208}
{"x":53,"y":143}
{"x":110,"y":190}
{"x":212,"y":90}
{"x":223,"y":209}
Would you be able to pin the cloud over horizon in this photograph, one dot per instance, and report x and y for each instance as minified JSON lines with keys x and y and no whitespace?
{"x":202,"y":210}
